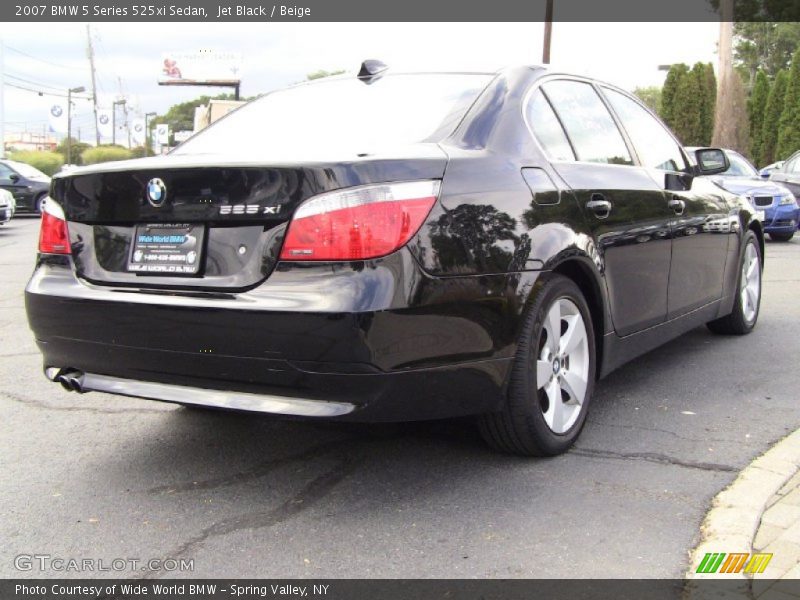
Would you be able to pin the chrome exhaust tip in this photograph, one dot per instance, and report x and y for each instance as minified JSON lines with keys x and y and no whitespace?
{"x":70,"y":379}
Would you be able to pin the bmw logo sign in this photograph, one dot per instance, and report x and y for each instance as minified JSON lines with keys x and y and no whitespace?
{"x":156,"y":192}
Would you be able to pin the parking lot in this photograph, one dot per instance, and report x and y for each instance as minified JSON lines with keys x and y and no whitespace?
{"x":101,"y":477}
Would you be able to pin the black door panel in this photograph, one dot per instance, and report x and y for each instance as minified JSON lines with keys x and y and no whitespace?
{"x":633,"y":239}
{"x":700,"y":241}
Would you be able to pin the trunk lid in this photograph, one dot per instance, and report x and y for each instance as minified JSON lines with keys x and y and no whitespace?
{"x":233,"y":213}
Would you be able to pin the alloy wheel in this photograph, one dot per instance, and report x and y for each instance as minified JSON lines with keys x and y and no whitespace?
{"x":750,"y":283}
{"x":562,"y":366}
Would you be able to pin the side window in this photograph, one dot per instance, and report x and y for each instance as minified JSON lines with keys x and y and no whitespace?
{"x":547,"y":129}
{"x":5,"y":172}
{"x":589,"y":125}
{"x":793,"y":166}
{"x":656,"y":147}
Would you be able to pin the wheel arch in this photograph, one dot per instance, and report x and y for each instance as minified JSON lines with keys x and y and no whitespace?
{"x":581,"y":271}
{"x":756,"y":228}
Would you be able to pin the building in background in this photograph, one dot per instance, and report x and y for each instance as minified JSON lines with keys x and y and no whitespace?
{"x":206,"y":114}
{"x":25,"y":140}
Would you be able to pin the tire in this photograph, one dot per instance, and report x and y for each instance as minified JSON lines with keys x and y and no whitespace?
{"x":744,"y":316}
{"x":39,"y":202}
{"x":781,"y":237}
{"x":530,"y":424}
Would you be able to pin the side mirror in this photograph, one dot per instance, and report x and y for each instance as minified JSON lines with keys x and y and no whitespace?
{"x":14,"y":177}
{"x":711,"y":161}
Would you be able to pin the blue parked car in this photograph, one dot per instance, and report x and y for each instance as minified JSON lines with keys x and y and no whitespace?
{"x":781,"y":213}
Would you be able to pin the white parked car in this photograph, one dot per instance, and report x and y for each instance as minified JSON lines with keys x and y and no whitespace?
{"x":8,"y":206}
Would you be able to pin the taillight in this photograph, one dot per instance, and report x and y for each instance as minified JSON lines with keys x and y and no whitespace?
{"x":359,"y":223}
{"x":53,"y":235}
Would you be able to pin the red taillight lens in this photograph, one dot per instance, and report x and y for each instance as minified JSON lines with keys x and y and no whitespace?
{"x":359,"y":223}
{"x":53,"y":235}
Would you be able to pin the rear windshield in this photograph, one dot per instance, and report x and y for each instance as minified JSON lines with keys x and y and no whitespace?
{"x":345,"y":114}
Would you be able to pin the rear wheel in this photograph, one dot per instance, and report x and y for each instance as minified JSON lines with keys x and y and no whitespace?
{"x":552,"y":378}
{"x":748,"y":299}
{"x":781,"y":237}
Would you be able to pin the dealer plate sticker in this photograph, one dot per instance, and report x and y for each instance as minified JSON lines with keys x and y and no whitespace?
{"x":167,"y":248}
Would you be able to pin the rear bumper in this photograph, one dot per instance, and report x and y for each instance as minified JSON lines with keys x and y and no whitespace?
{"x":393,"y":364}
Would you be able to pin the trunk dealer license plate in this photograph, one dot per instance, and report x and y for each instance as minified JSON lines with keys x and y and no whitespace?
{"x":167,"y":249}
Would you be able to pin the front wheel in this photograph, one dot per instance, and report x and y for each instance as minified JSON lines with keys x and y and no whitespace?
{"x":39,"y":204}
{"x":743,"y":318}
{"x":552,"y":377}
{"x":781,"y":237}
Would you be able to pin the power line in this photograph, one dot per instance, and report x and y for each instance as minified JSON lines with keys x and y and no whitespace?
{"x":36,"y":83}
{"x":43,"y":92}
{"x":41,"y":60}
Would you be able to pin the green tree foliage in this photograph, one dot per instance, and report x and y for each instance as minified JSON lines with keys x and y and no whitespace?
{"x":756,"y":107}
{"x":322,"y":73}
{"x":670,"y":91}
{"x":763,"y":10}
{"x":77,"y":148}
{"x":105,"y":153}
{"x":789,"y":123}
{"x":47,"y":162}
{"x":651,"y":96}
{"x":687,"y":111}
{"x":768,"y":46}
{"x":687,"y":102}
{"x":772,"y":115}
{"x":710,"y":102}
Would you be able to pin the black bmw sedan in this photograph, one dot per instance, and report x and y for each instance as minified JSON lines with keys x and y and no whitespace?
{"x":27,"y":184}
{"x":393,"y":247}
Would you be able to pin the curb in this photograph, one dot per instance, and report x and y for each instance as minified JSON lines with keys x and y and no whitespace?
{"x":735,"y":515}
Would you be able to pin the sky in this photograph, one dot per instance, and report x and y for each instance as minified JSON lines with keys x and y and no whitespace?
{"x":275,"y":55}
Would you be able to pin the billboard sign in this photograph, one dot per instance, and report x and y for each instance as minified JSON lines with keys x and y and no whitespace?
{"x":198,"y":68}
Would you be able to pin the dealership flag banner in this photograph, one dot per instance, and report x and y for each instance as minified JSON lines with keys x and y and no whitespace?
{"x":162,"y":134}
{"x":58,"y":117}
{"x":104,"y":123}
{"x":137,"y":132}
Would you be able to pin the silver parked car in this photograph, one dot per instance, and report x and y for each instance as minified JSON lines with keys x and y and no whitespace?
{"x":8,"y":206}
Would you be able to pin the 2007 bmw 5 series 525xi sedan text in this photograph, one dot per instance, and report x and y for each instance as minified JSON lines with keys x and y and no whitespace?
{"x":393,"y":247}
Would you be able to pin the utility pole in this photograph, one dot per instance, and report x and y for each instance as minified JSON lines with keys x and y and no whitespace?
{"x":90,"y":55}
{"x":71,"y":91}
{"x":148,"y":137}
{"x":548,"y":32}
{"x":124,"y":110}
{"x":114,"y":119}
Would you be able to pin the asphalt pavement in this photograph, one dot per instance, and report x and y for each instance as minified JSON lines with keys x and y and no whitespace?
{"x":101,"y":477}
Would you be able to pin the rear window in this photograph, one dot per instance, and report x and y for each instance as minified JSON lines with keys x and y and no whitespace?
{"x":589,"y":125}
{"x":345,"y":114}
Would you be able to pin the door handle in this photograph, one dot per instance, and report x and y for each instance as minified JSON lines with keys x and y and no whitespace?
{"x":677,"y":205}
{"x":599,"y":206}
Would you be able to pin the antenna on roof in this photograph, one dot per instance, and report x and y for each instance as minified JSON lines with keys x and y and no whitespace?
{"x":371,"y":70}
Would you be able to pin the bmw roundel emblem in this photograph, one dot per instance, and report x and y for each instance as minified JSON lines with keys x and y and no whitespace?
{"x":156,"y":192}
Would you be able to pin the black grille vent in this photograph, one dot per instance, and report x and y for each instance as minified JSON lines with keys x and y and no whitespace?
{"x":762,"y":200}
